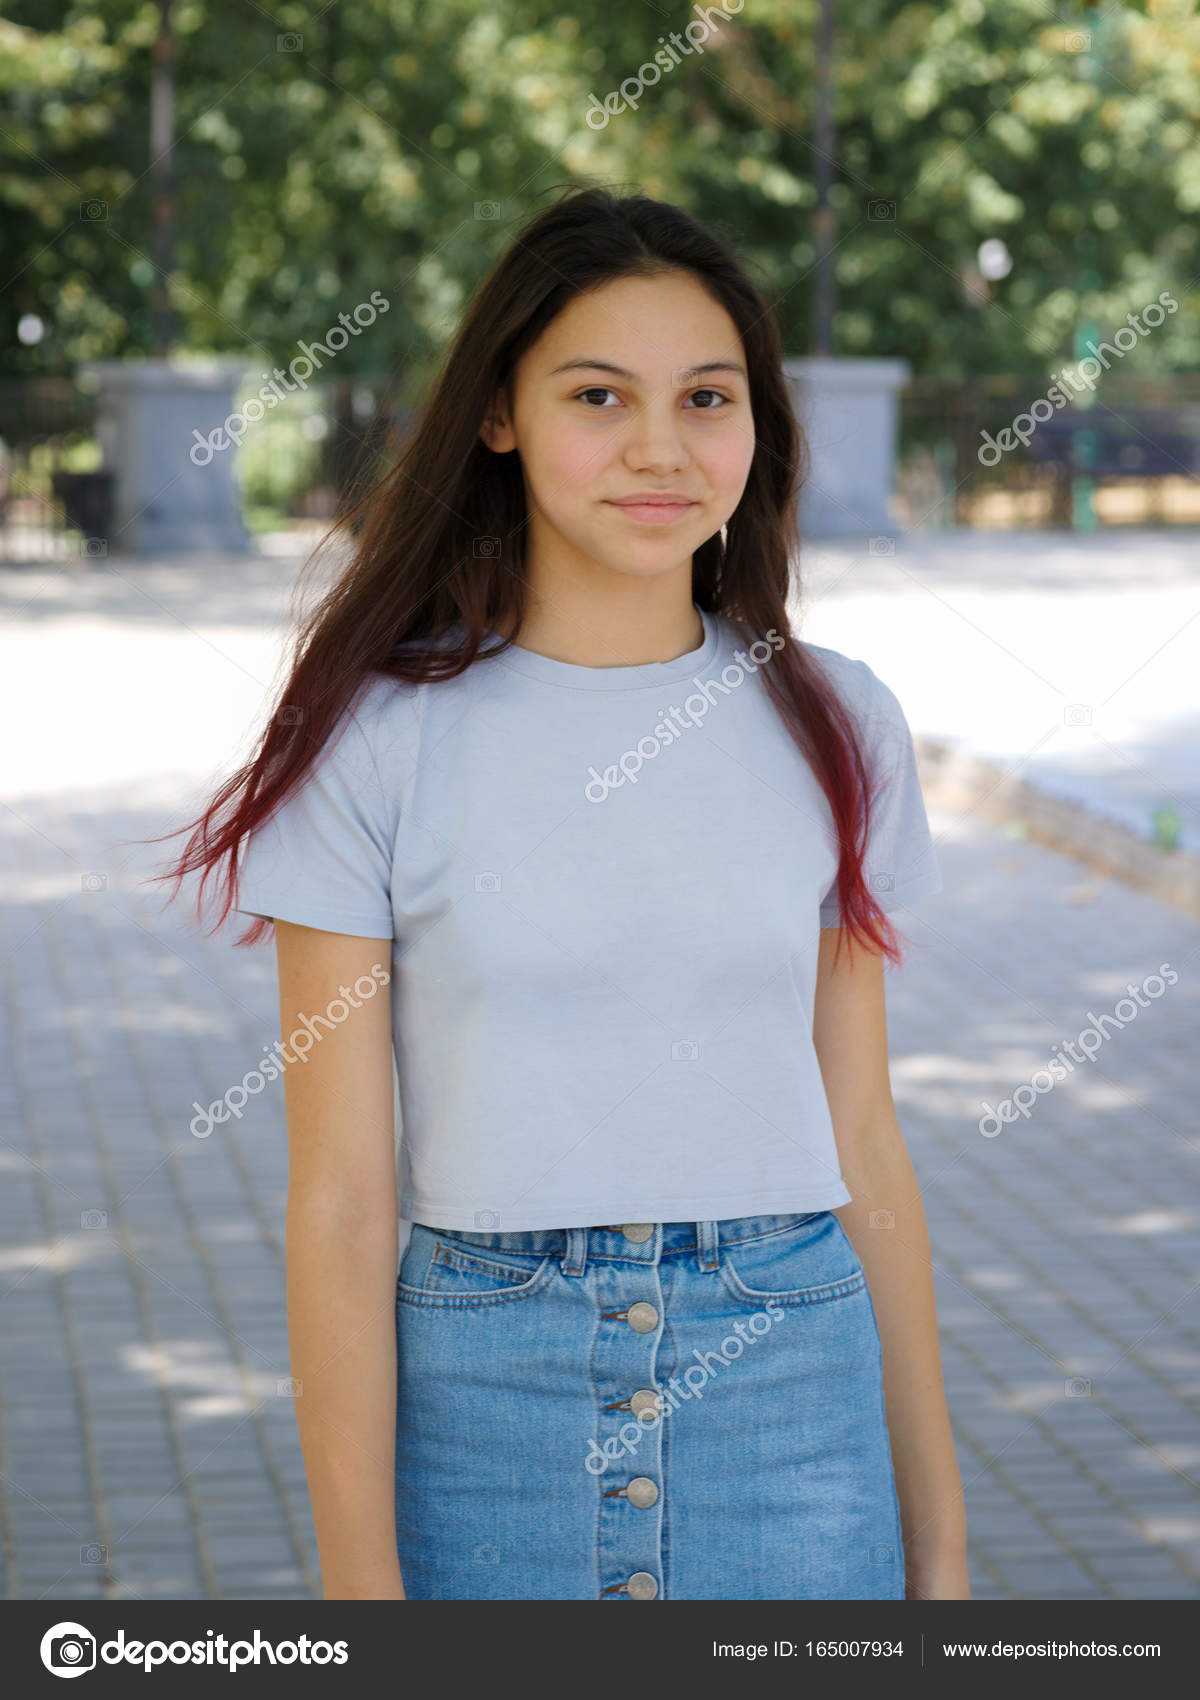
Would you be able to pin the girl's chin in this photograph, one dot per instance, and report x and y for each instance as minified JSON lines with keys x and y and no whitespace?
{"x":646,"y":563}
{"x":646,"y":548}
{"x":639,"y":553}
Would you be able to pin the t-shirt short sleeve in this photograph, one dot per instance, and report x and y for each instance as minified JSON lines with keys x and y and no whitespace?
{"x":900,"y":864}
{"x":324,"y":859}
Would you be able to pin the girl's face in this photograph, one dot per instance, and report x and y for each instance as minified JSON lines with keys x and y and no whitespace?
{"x":637,"y":389}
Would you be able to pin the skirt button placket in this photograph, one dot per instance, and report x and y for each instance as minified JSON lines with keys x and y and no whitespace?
{"x":630,"y":1522}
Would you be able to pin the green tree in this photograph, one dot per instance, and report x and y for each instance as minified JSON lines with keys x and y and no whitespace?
{"x":395,"y":145}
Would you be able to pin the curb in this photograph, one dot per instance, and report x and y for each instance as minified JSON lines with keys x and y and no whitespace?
{"x":957,"y":780}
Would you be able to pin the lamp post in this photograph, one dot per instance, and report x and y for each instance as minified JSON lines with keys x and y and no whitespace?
{"x":162,"y":148}
{"x":824,"y":283}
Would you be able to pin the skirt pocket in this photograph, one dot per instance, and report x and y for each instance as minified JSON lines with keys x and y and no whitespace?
{"x":810,"y":1262}
{"x":436,"y":1271}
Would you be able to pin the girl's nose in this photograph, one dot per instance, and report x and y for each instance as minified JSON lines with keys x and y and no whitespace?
{"x":656,"y":438}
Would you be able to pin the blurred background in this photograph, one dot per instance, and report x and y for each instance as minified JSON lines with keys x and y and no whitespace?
{"x":234,"y":240}
{"x":975,"y":191}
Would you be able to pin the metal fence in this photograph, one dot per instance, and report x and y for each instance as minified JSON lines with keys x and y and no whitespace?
{"x":309,"y":455}
{"x":1129,"y":452}
{"x":1000,"y":452}
{"x":295,"y":466}
{"x":50,"y":494}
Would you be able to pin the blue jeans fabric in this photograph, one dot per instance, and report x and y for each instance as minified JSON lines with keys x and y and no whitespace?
{"x":698,"y":1416}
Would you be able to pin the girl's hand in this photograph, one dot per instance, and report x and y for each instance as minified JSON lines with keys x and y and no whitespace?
{"x":937,"y":1579}
{"x":385,"y":1586}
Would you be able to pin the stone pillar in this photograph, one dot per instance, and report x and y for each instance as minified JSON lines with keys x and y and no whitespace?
{"x":848,"y":410}
{"x":168,"y":501}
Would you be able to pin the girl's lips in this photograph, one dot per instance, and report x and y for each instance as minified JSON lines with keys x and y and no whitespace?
{"x":654,"y":513}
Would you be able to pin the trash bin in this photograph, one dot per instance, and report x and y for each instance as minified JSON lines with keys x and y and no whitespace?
{"x":87,"y":499}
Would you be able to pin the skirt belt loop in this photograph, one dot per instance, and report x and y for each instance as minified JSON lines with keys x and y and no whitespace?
{"x":575,"y":1257}
{"x":708,"y":1246}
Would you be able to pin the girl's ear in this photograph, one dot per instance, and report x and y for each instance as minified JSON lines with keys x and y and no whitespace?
{"x":496,"y":430}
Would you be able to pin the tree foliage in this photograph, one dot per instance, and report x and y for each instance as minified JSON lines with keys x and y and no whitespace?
{"x":395,"y":145}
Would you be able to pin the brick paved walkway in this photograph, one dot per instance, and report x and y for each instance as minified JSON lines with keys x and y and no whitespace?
{"x":1074,"y":657}
{"x":146,"y":1447}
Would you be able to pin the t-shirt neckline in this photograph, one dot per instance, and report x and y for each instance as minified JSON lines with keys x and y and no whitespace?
{"x":646,"y":676}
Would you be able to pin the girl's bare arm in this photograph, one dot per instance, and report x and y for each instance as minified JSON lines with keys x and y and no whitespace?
{"x":342,"y":1241}
{"x":886,"y":1225}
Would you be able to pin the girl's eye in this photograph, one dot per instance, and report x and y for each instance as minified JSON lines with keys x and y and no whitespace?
{"x":600,"y":390}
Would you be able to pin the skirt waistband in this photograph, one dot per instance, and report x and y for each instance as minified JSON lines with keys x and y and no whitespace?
{"x":637,"y":1241}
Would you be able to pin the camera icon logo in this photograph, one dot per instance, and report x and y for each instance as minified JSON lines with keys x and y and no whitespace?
{"x":485,"y":548}
{"x":685,"y":1050}
{"x":487,"y":882}
{"x":487,"y":1221}
{"x":68,"y":1649}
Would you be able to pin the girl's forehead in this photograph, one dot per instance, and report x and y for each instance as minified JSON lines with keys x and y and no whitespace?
{"x":668,"y":317}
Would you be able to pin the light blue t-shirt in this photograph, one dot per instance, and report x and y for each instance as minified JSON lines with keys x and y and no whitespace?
{"x":605,"y":888}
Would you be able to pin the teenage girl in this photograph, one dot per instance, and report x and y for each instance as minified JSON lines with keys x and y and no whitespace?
{"x":554,"y":809}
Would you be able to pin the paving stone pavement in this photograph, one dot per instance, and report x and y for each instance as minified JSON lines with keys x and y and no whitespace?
{"x":1073,"y":658}
{"x":147,"y":1436}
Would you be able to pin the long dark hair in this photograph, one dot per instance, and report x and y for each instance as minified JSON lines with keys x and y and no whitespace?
{"x":416,"y":578}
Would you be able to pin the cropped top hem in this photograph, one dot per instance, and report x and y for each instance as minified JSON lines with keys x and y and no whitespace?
{"x":599,"y":1211}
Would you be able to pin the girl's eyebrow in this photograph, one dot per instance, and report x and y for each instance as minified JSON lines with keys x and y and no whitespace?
{"x":620,"y":371}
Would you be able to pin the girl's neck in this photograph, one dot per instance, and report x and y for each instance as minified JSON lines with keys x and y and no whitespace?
{"x":608,"y":631}
{"x":611,"y":643}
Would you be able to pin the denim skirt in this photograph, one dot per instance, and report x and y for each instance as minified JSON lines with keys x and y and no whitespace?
{"x":643,"y":1411}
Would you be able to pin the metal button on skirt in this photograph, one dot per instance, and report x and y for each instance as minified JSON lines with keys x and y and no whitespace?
{"x":643,"y":1411}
